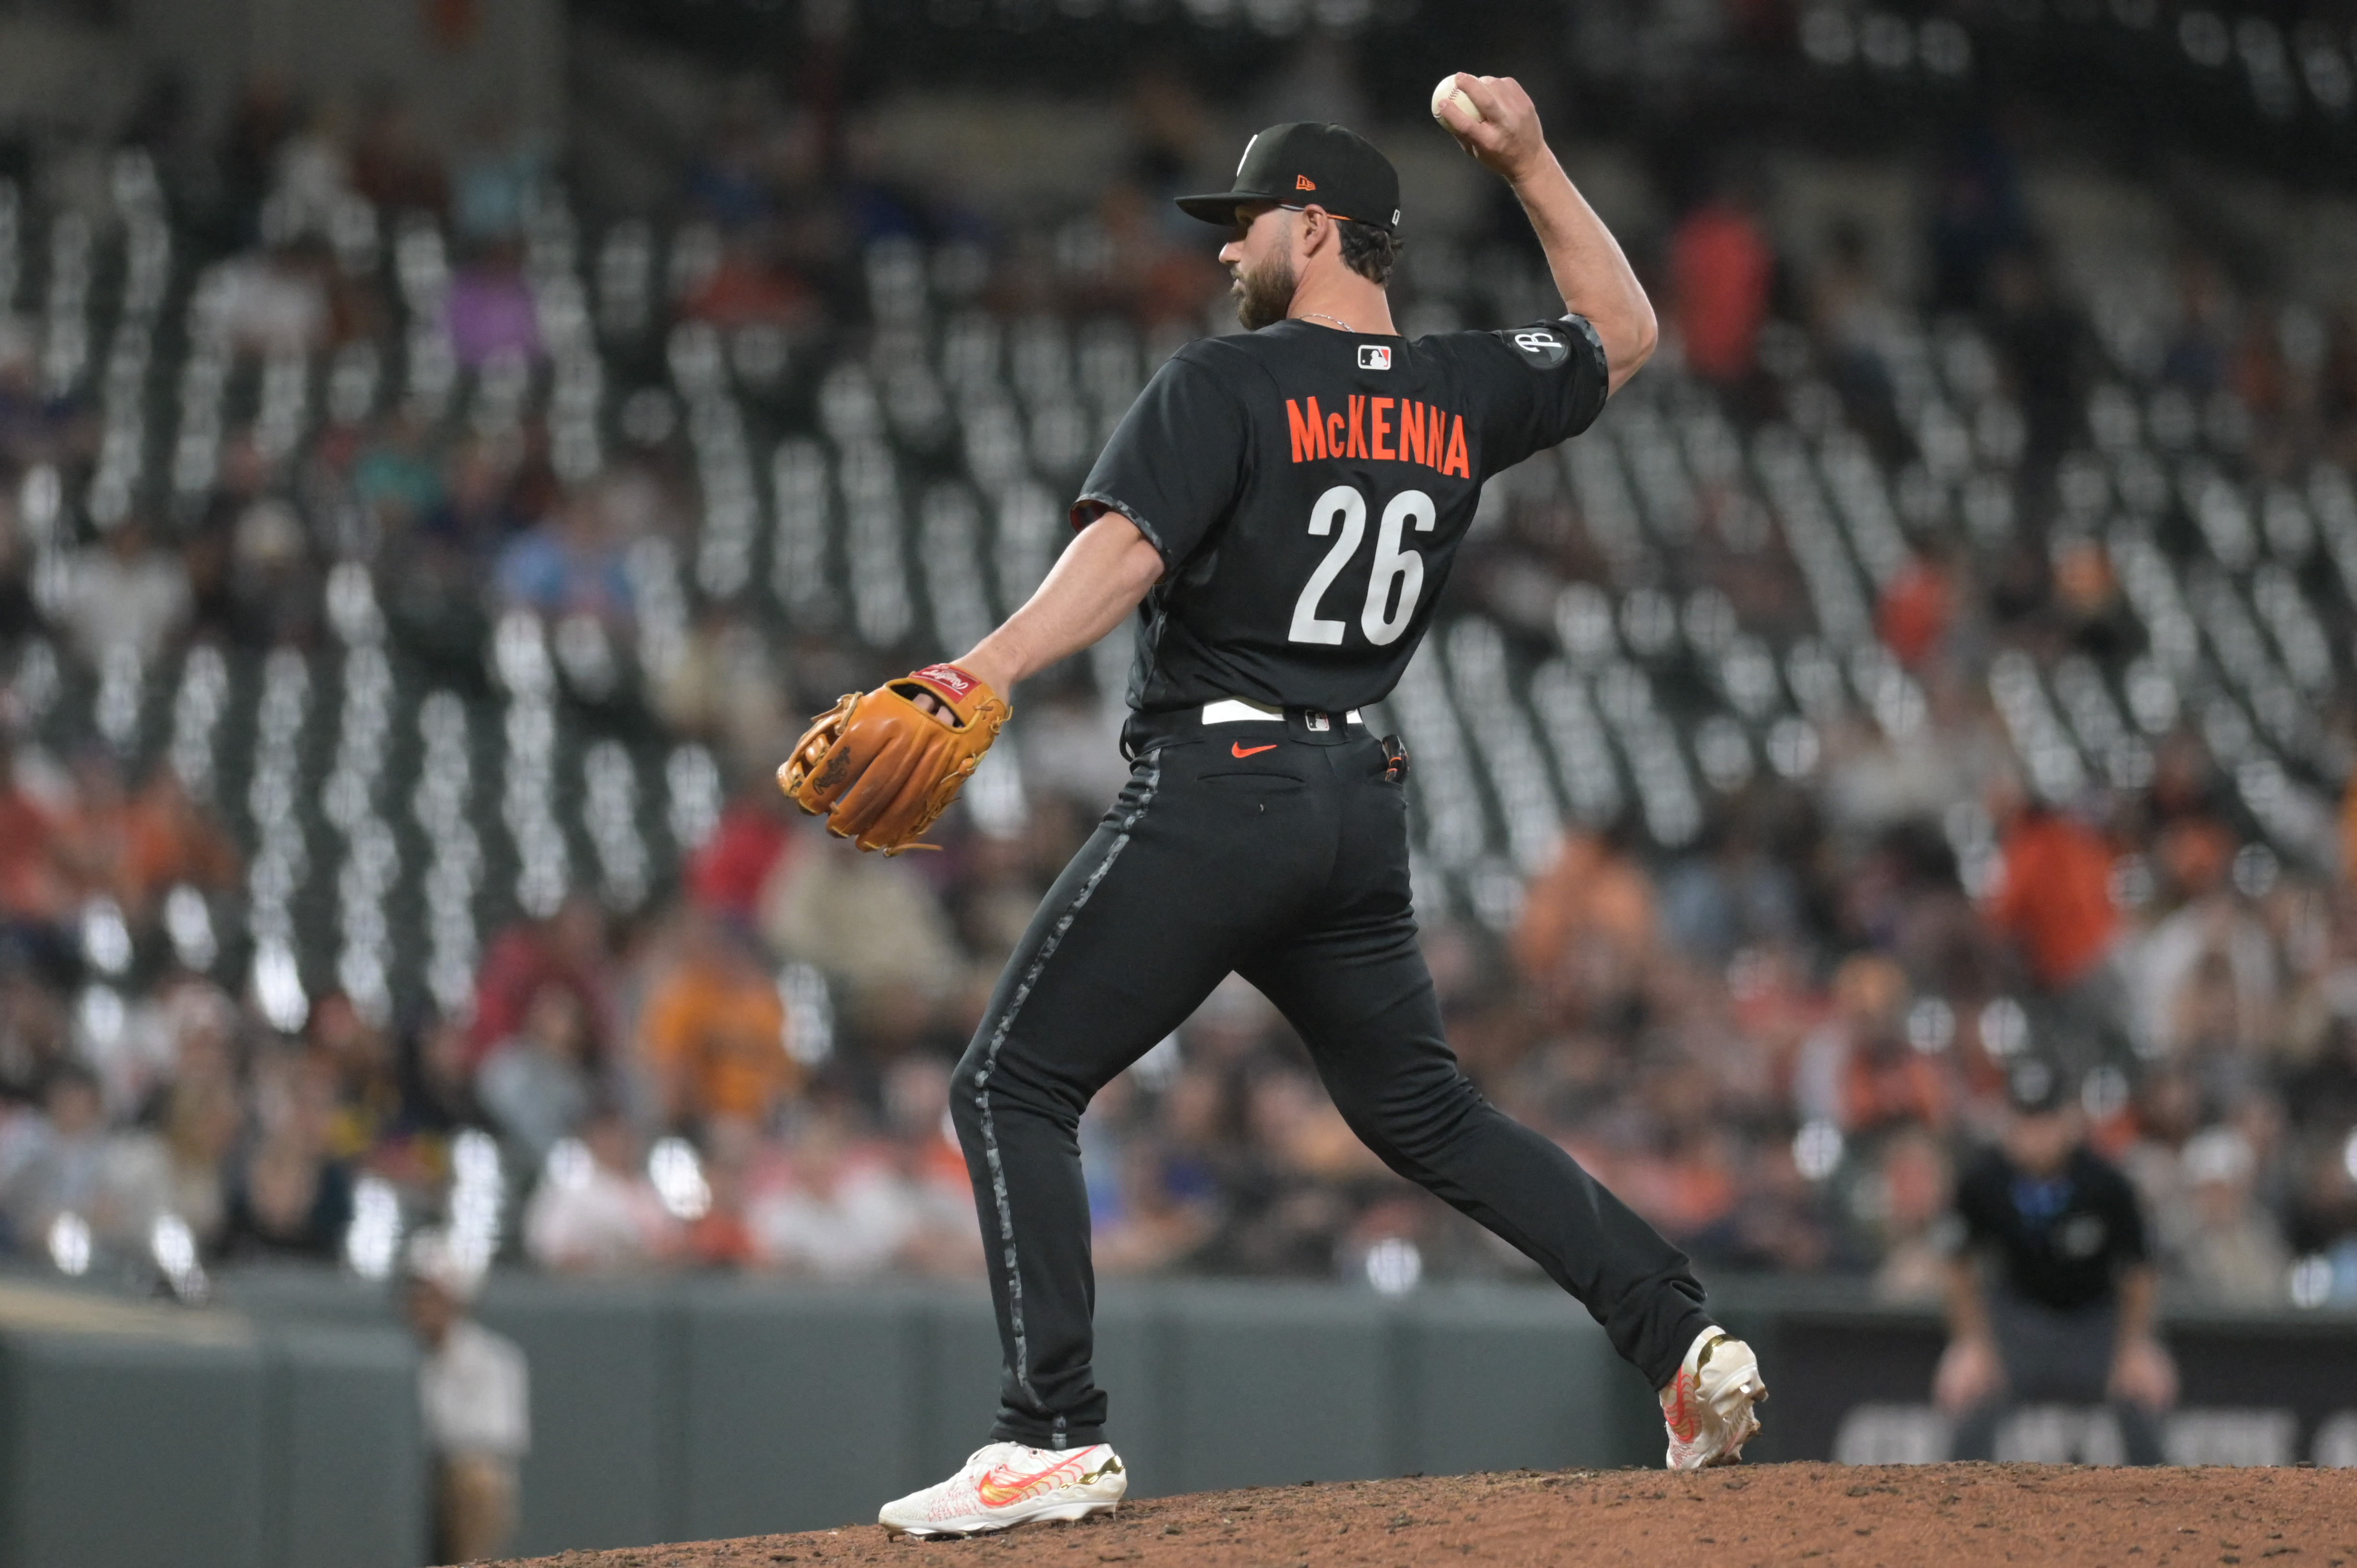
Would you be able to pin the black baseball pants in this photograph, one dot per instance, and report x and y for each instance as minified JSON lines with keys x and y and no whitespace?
{"x":2060,"y":1357}
{"x":1278,"y":851}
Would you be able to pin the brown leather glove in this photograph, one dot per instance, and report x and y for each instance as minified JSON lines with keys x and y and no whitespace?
{"x":880,"y":770}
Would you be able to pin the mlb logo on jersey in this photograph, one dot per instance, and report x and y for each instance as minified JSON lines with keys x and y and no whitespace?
{"x":1374,"y":357}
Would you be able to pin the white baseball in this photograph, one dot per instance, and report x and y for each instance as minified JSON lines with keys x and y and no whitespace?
{"x":1448,"y":90}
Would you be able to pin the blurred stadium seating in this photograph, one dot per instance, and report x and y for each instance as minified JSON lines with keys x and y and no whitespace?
{"x":416,"y":559}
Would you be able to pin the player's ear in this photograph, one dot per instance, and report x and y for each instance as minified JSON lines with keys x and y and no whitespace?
{"x":1317,"y":230}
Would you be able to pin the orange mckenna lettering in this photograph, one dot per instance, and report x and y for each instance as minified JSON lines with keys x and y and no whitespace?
{"x":1308,"y":431}
{"x":1382,"y":429}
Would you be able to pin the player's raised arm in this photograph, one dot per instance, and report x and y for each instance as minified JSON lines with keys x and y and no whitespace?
{"x":1503,"y":131}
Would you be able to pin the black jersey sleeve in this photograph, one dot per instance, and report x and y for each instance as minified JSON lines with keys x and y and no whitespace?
{"x":1537,"y":385}
{"x":2117,"y":1200}
{"x":1175,"y":463}
{"x":1980,"y":1203}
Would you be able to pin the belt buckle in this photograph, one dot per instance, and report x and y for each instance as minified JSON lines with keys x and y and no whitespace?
{"x":1316,"y":721}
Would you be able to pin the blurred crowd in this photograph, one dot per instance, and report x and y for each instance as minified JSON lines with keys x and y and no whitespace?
{"x":1773,"y":1040}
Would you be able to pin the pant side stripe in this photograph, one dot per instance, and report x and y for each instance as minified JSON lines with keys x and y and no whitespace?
{"x":1007,"y":1256}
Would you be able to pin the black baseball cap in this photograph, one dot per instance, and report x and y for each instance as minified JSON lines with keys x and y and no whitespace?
{"x":1304,"y":162}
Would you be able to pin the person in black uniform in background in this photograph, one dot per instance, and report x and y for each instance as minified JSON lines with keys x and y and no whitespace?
{"x":1280,"y":508}
{"x":2050,"y":1292}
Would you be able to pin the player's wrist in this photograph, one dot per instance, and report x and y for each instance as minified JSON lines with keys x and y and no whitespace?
{"x":993,"y":667}
{"x":1533,"y":166}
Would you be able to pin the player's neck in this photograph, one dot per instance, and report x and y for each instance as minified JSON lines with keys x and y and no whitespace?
{"x":1345,"y":303}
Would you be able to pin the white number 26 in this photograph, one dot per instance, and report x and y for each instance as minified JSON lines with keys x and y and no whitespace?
{"x":1395,"y":569}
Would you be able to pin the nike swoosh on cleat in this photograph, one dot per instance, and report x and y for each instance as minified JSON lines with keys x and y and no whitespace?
{"x":1238,"y":748}
{"x":1682,"y":1417}
{"x":1003,"y":1488}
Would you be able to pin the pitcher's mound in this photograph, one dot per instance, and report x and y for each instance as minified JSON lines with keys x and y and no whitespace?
{"x":1828,"y":1514}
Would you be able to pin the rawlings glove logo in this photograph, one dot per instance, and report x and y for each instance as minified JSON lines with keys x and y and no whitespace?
{"x":956,"y":681}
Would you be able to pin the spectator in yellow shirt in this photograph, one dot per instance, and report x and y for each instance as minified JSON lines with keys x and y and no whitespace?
{"x":714,"y":1033}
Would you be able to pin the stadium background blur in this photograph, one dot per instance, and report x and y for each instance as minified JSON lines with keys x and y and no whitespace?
{"x":446,"y":450}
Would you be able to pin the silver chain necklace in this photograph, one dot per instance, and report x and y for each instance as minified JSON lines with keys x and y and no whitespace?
{"x":1321,"y":315}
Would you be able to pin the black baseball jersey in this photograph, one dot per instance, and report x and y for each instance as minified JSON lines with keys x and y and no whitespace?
{"x":1307,"y":489}
{"x":2062,"y":1239}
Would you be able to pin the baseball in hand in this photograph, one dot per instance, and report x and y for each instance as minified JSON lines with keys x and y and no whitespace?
{"x":1448,"y":90}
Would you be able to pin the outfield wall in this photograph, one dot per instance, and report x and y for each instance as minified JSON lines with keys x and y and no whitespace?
{"x":687,"y":1408}
{"x":141,"y":1433}
{"x":280,"y":1426}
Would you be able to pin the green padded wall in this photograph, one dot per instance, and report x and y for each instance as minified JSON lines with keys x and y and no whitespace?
{"x":347,"y":1459}
{"x":139,"y":1433}
{"x":128,"y":1434}
{"x":607,"y":1379}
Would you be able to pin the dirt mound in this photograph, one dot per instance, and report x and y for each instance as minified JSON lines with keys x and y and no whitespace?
{"x":1828,"y":1514}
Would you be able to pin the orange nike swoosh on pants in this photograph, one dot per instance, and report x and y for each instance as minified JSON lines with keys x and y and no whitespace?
{"x":1238,"y":748}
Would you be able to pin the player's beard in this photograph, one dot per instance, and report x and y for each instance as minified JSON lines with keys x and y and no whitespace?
{"x":1264,"y":293}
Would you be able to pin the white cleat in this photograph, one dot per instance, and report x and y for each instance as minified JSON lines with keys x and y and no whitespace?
{"x":1707,"y":1406}
{"x":1005,"y":1484}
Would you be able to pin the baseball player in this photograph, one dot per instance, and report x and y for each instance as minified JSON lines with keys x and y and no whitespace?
{"x":1280,"y":508}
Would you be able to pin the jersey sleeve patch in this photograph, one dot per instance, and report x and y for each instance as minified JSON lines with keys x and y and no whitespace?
{"x":1546,"y":344}
{"x":1544,"y":347}
{"x":1529,"y":387}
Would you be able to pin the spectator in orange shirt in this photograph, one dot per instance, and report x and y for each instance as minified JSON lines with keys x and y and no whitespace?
{"x":1721,"y":266}
{"x":1914,"y":611}
{"x":36,"y":888}
{"x":2054,"y":896}
{"x":2054,"y":901}
{"x":167,"y":838}
{"x":713,"y":1034}
{"x":1588,"y":926}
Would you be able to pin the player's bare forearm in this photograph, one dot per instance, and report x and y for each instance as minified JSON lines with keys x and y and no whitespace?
{"x":1594,"y":277}
{"x":2142,"y":1370}
{"x":1590,"y":272}
{"x":2139,"y":1291}
{"x":1968,"y":1312}
{"x":1097,"y":581}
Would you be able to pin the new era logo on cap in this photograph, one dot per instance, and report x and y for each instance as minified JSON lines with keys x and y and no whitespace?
{"x":1374,"y":357}
{"x":1307,"y":164}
